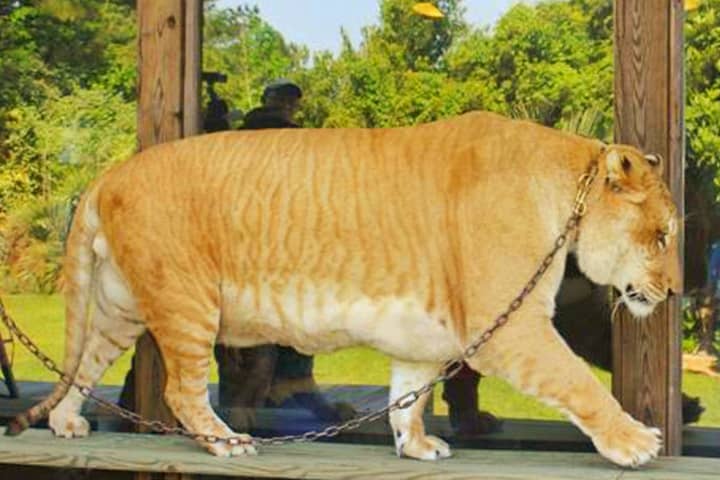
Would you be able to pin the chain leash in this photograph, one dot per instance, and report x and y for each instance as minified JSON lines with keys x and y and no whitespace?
{"x":449,"y":369}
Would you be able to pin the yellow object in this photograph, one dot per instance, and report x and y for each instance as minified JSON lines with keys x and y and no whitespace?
{"x":427,"y":10}
{"x":691,"y":5}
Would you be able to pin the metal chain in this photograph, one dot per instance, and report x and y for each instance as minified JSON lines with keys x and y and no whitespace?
{"x":449,"y":369}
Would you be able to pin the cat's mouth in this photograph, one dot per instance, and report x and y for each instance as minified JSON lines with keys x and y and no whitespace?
{"x":638,"y":302}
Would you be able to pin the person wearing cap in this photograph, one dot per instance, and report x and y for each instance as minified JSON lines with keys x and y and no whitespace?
{"x":271,"y":375}
{"x":280,"y":102}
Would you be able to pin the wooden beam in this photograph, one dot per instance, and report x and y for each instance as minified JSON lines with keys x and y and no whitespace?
{"x":170,"y":59}
{"x":649,"y":114}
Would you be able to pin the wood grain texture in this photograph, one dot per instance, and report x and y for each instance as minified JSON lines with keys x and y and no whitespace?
{"x":649,"y":114}
{"x":192,"y":122}
{"x":153,"y":453}
{"x":160,"y":64}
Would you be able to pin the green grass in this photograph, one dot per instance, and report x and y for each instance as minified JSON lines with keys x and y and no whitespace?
{"x":42,"y":319}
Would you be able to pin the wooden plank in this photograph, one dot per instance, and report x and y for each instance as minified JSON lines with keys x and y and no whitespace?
{"x":649,"y":115}
{"x":516,"y":434}
{"x":153,"y":453}
{"x":22,"y":472}
{"x":192,"y":122}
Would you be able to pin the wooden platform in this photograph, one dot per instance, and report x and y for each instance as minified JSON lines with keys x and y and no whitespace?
{"x":516,"y":434}
{"x":153,"y":453}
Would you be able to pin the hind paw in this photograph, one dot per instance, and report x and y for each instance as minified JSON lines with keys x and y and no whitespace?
{"x":68,"y":426}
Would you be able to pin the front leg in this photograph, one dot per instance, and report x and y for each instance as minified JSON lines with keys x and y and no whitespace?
{"x":407,"y":423}
{"x":531,"y":355}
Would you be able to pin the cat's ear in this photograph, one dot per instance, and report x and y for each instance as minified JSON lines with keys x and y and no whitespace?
{"x":656,"y":162}
{"x":621,"y":175}
{"x":618,"y":166}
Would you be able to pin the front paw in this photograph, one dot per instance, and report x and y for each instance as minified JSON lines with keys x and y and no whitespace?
{"x":426,"y":447}
{"x":629,"y":443}
{"x":223,"y":449}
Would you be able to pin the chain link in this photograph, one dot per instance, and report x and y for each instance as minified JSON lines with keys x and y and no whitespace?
{"x":449,"y":369}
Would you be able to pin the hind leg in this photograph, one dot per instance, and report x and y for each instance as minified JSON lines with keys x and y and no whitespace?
{"x":407,"y":423}
{"x":104,"y":345}
{"x":186,"y":348}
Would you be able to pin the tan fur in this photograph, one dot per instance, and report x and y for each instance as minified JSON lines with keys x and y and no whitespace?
{"x":410,"y":240}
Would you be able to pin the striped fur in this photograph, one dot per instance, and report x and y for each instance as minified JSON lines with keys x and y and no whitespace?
{"x":408,"y":240}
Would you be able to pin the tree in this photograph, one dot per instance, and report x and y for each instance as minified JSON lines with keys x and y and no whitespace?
{"x":550,"y":62}
{"x":400,"y":74}
{"x":67,"y":88}
{"x":48,"y":48}
{"x":415,"y":43}
{"x":55,"y":151}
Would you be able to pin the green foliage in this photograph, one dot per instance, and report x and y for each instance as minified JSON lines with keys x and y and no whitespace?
{"x":67,"y":88}
{"x":400,"y":74}
{"x":702,"y":120}
{"x":552,"y":61}
{"x":413,"y":42}
{"x":703,"y":89}
{"x":54,"y":151}
{"x":60,"y":44}
{"x":549,"y":60}
{"x":66,"y":134}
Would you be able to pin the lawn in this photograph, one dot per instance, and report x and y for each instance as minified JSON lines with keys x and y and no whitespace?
{"x":42,"y":319}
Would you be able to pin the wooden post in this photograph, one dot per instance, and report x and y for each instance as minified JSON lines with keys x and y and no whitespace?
{"x":169,"y":62}
{"x":192,"y":121}
{"x":649,"y":114}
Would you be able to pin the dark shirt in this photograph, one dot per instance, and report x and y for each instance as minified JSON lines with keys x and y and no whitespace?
{"x":290,"y":363}
{"x":266,"y":117}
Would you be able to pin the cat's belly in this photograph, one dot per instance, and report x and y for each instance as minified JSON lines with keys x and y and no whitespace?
{"x":319,"y":319}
